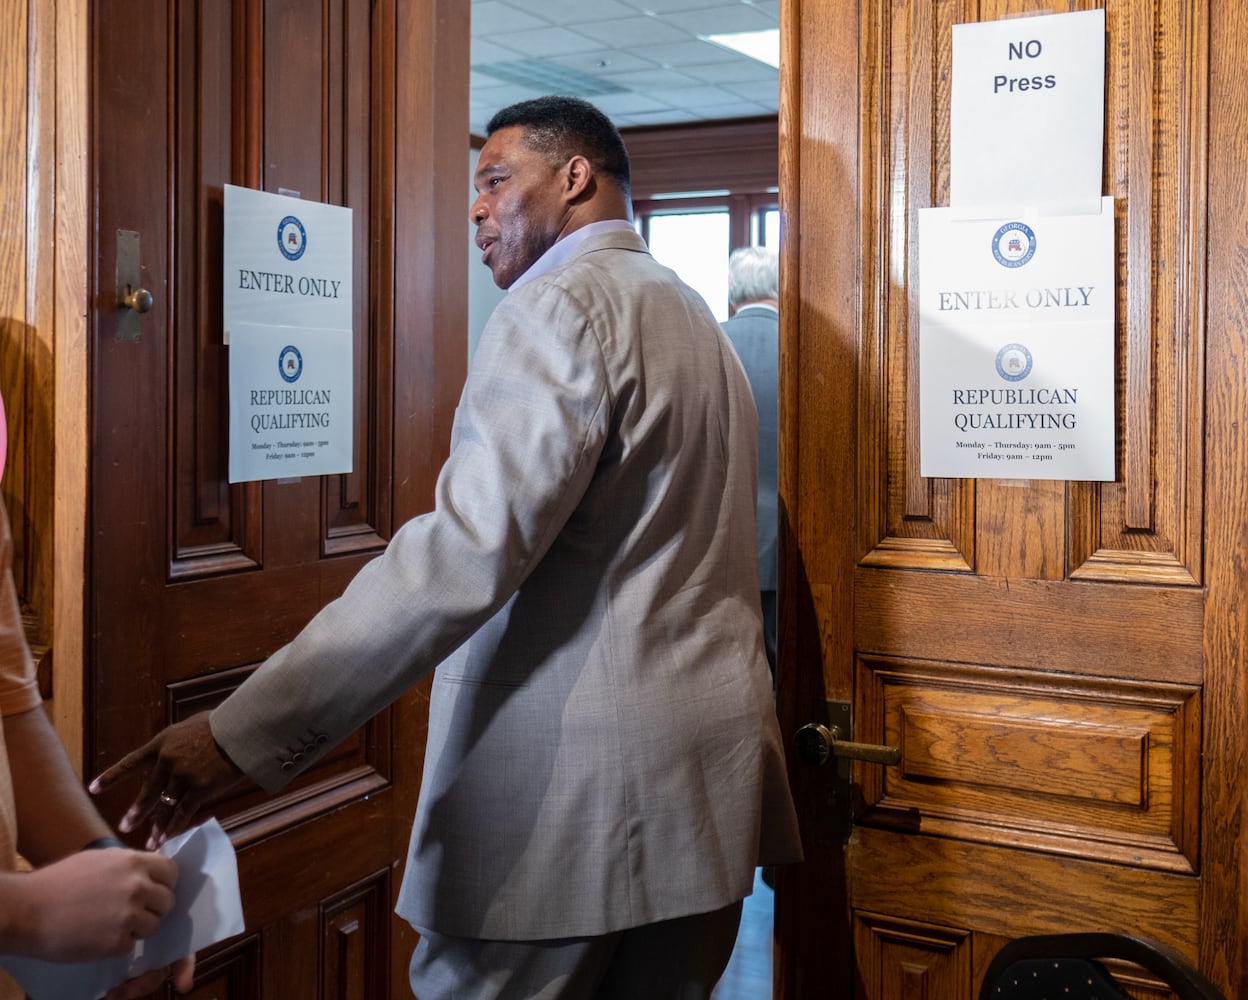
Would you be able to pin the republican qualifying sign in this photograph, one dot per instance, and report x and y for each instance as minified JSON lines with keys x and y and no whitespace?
{"x":1016,"y":346}
{"x":287,"y":309}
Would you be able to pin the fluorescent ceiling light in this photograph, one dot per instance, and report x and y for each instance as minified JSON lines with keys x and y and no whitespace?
{"x":761,"y":45}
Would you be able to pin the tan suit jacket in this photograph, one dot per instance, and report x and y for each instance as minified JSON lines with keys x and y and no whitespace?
{"x":603,"y":751}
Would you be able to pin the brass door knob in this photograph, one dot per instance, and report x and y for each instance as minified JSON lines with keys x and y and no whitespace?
{"x":138,"y":299}
{"x":816,"y":743}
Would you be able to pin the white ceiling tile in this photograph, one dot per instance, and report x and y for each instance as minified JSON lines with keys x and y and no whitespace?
{"x":671,"y":116}
{"x":742,"y":109}
{"x":647,"y":47}
{"x":695,"y":97}
{"x":668,"y":6}
{"x":651,"y":79}
{"x":690,"y":53}
{"x":551,"y":41}
{"x":721,"y":20}
{"x":736,"y":71}
{"x":602,"y":62}
{"x":628,"y":104}
{"x":492,"y":17}
{"x":752,"y":92}
{"x":483,"y":51}
{"x":486,"y":100}
{"x":563,"y":12}
{"x":633,"y":31}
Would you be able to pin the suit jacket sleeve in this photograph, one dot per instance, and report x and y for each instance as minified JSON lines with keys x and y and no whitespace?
{"x":525,"y":442}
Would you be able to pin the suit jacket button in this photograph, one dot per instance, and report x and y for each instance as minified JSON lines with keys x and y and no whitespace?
{"x":288,"y":765}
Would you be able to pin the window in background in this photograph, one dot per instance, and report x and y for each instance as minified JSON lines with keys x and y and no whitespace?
{"x":768,"y":220}
{"x":695,"y":246}
{"x":684,"y":172}
{"x":694,"y":234}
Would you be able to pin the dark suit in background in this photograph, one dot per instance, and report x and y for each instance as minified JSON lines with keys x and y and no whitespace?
{"x":754,"y":330}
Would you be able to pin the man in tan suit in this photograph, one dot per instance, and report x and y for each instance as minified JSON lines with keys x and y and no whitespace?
{"x":604,"y":766}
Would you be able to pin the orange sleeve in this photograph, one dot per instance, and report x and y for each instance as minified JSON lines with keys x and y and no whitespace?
{"x":19,"y":690}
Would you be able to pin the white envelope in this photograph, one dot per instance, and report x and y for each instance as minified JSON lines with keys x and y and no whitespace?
{"x":207,"y":908}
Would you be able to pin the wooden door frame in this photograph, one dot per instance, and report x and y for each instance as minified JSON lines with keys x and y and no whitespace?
{"x":1223,"y":908}
{"x":51,"y":98}
{"x":817,"y":352}
{"x":821,"y":334}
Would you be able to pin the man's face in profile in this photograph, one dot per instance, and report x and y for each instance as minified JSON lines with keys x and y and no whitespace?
{"x":518,"y":211}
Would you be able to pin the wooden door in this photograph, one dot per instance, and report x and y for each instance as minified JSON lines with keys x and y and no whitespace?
{"x":193,"y":581}
{"x":1061,"y":663}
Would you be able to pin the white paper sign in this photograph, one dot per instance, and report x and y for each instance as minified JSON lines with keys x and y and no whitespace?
{"x":290,"y":402}
{"x":1016,"y":346}
{"x":1027,"y":116}
{"x":287,"y":277}
{"x":285,"y":262}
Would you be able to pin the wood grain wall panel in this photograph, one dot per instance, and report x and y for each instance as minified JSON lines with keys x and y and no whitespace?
{"x":738,"y":155}
{"x":27,"y":283}
{"x":904,"y":958}
{"x":1224,"y":904}
{"x":1104,"y":769}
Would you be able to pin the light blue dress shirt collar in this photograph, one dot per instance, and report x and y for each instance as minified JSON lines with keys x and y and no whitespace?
{"x":564,"y":248}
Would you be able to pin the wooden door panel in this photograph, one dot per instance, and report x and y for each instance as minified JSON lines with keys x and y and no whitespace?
{"x":195,"y":581}
{"x":319,"y":142}
{"x":1012,"y":893}
{"x":229,"y":973}
{"x":253,"y":557}
{"x":1146,"y":526}
{"x":1051,"y":657}
{"x":1102,"y":768}
{"x":354,"y":933}
{"x":1152,"y":633}
{"x":904,"y":958}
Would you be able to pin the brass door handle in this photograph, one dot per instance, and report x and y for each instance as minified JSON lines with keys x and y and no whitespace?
{"x":816,"y":743}
{"x":132,"y":298}
{"x":138,"y":299}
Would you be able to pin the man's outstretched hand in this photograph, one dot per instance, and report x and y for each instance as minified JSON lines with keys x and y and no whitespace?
{"x":183,"y":770}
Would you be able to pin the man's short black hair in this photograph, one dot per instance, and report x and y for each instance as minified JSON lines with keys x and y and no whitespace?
{"x":562,"y":127}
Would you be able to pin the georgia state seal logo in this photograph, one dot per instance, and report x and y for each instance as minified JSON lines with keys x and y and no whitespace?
{"x":1013,"y":362}
{"x":290,"y":363}
{"x":292,"y":239}
{"x":1013,"y":244}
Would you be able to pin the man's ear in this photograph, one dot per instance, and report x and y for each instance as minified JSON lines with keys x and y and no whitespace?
{"x":578,"y":175}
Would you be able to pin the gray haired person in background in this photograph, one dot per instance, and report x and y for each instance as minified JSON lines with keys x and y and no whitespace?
{"x":754,"y":329}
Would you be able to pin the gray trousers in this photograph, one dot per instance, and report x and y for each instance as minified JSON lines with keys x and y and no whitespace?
{"x":678,"y":959}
